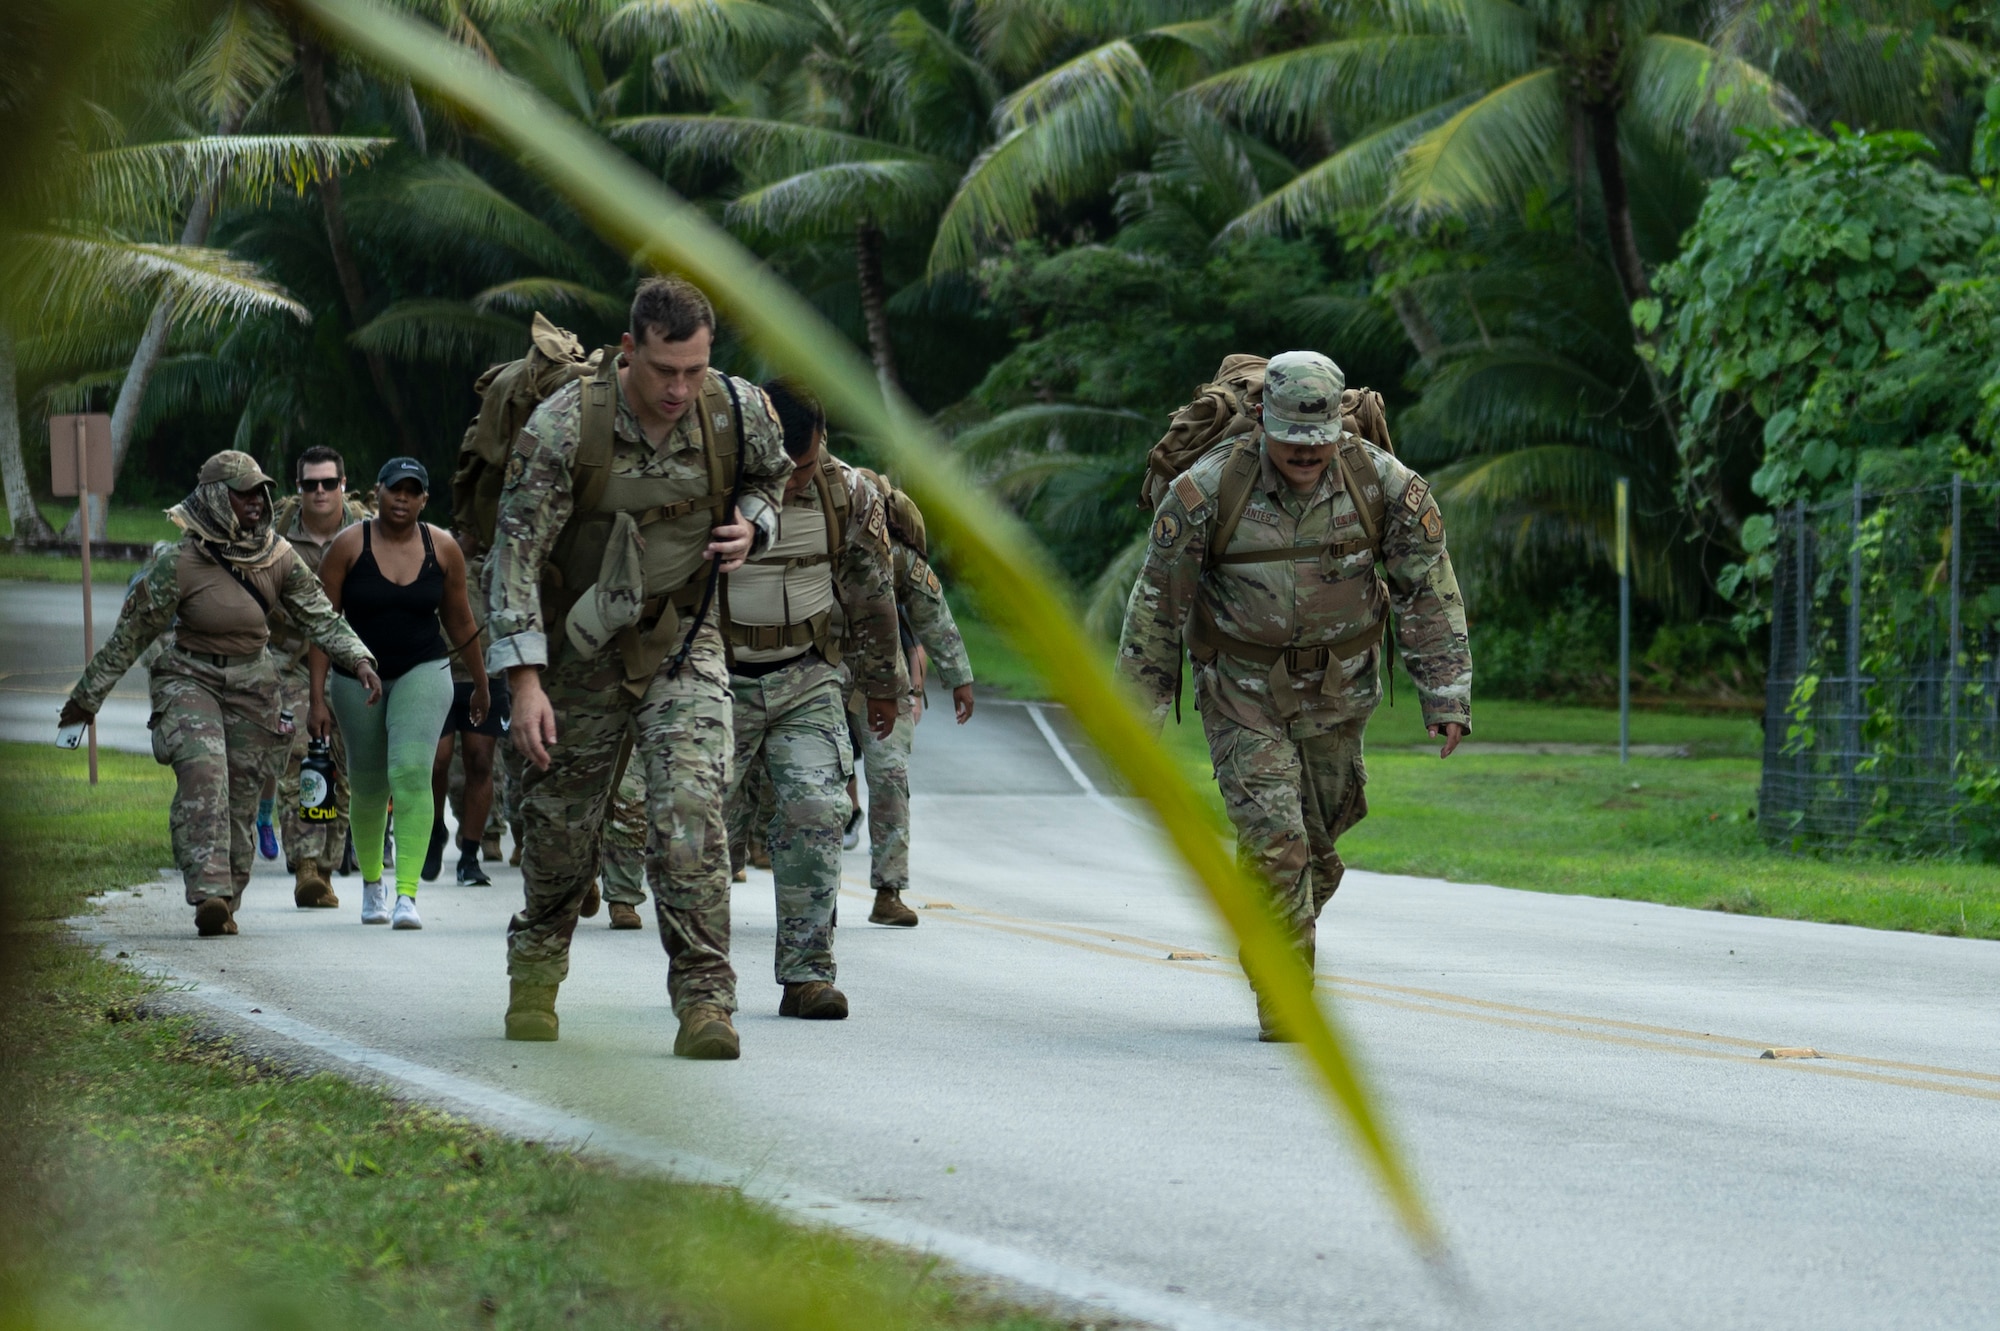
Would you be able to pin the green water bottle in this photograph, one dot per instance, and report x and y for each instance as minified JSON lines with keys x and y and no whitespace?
{"x":318,"y":802}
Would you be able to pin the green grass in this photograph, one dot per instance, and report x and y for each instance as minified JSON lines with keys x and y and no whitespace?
{"x":55,"y":568}
{"x":155,"y":1177}
{"x":1677,"y":831}
{"x":140,"y":522}
{"x":1685,"y":837}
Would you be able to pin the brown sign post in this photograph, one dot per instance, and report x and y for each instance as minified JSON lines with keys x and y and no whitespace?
{"x":80,"y":465}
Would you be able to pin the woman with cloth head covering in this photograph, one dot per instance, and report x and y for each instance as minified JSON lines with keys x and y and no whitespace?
{"x":215,"y":689}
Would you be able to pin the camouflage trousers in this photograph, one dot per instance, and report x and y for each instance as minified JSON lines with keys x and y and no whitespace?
{"x":1289,"y":800}
{"x":325,"y":842}
{"x":679,"y":734}
{"x":792,"y":724}
{"x":509,"y":775}
{"x":625,"y":841}
{"x":217,"y":727}
{"x":885,"y":766}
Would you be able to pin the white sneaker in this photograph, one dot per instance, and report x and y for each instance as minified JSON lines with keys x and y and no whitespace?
{"x":406,"y":914}
{"x":374,"y":903}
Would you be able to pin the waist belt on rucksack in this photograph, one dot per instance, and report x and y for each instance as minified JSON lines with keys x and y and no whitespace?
{"x":1206,"y":640}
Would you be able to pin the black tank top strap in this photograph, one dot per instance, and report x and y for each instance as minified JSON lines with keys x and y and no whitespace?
{"x":398,"y":622}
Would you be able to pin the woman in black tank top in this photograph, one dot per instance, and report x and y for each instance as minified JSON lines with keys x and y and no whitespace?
{"x":401,"y":584}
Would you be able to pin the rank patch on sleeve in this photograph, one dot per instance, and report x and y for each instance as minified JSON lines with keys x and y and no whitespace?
{"x":1413,"y":498}
{"x":1166,"y":530}
{"x":1188,"y":492}
{"x":1433,"y":524}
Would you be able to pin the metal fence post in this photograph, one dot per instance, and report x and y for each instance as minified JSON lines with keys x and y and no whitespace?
{"x":1852,"y":764}
{"x":1802,"y":760}
{"x":1955,"y":646}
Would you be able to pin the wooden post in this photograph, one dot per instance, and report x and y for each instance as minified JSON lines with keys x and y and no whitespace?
{"x":83,"y":529}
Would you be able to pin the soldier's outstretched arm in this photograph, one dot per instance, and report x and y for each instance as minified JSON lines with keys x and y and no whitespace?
{"x":304,"y":599}
{"x":1423,"y":590}
{"x":1149,"y":646}
{"x":868,"y":596}
{"x":535,"y":505}
{"x":148,"y":610}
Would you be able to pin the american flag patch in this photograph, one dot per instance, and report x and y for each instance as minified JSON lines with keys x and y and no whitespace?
{"x":1188,"y":492}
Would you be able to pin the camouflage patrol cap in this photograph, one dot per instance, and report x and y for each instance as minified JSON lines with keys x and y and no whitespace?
{"x":238,"y":471}
{"x":1302,"y":398}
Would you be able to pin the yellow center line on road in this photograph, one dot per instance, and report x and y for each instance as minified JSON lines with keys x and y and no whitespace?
{"x":1434,"y":1002}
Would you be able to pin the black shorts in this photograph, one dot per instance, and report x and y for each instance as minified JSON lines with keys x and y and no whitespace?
{"x":459,"y":719}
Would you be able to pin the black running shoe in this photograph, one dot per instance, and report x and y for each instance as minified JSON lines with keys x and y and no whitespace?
{"x":434,"y":853}
{"x":470,"y":872}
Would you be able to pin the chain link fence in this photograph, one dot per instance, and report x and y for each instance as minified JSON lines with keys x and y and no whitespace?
{"x":1882,"y":717}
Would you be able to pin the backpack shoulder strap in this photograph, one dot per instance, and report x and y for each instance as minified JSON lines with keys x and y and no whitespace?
{"x":834,"y":499}
{"x":721,"y":434}
{"x":590,"y":470}
{"x":1364,"y":482}
{"x":1232,"y":496}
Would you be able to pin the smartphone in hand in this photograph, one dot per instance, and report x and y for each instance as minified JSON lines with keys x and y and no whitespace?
{"x":71,"y":737}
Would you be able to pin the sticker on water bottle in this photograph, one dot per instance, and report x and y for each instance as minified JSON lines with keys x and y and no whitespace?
{"x":312,"y":788}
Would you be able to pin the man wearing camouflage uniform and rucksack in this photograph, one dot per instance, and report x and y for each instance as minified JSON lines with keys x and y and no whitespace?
{"x":629,"y":490}
{"x":1276,"y":559}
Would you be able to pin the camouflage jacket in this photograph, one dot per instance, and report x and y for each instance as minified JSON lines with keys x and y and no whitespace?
{"x":921,"y":595}
{"x":1303,"y":604}
{"x":287,"y":641}
{"x":153,"y":600}
{"x":863,"y":581}
{"x":539,"y":497}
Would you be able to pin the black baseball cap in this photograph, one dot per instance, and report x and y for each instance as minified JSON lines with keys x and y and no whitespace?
{"x":403,"y":469}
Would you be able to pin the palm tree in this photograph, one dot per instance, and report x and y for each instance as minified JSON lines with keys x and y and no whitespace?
{"x":1462,"y":107}
{"x":862,"y":132}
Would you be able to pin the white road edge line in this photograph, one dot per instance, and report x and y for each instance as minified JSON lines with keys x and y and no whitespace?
{"x":1076,"y":773}
{"x":518,"y":1116}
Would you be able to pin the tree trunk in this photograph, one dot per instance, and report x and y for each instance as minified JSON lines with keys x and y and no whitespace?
{"x":152,"y":347}
{"x":319,"y":117}
{"x":1417,"y":325}
{"x":1617,"y":203}
{"x":29,"y":525}
{"x":874,"y":302}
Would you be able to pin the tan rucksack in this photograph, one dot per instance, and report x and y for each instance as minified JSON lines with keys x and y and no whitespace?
{"x":508,"y":395}
{"x":1225,"y":411}
{"x":906,"y":520}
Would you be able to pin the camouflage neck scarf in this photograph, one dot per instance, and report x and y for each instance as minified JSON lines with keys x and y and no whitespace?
{"x":206,"y":514}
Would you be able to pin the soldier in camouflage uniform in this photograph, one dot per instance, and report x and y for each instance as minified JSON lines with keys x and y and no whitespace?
{"x":312,"y":850}
{"x":785,"y":609}
{"x":625,"y":850}
{"x":216,"y":691}
{"x":1285,"y":627}
{"x":659,"y":683}
{"x":920,"y":598}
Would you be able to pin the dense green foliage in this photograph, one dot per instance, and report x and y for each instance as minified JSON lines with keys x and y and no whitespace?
{"x":1047,"y":221}
{"x":1832,"y":314}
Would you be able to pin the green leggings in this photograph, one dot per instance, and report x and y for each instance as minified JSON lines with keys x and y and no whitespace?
{"x":389,"y":750}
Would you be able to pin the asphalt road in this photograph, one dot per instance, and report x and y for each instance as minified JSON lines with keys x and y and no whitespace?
{"x":1032,"y":1086}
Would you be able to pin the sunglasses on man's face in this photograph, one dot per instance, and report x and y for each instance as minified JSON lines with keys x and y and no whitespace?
{"x":312,"y":483}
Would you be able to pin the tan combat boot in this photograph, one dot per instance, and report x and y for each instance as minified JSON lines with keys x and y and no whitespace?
{"x":814,"y":1000}
{"x":212,"y":918}
{"x":531,"y":1011}
{"x":625,"y":917}
{"x":312,"y":888}
{"x":706,"y":1032}
{"x":889,"y":909}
